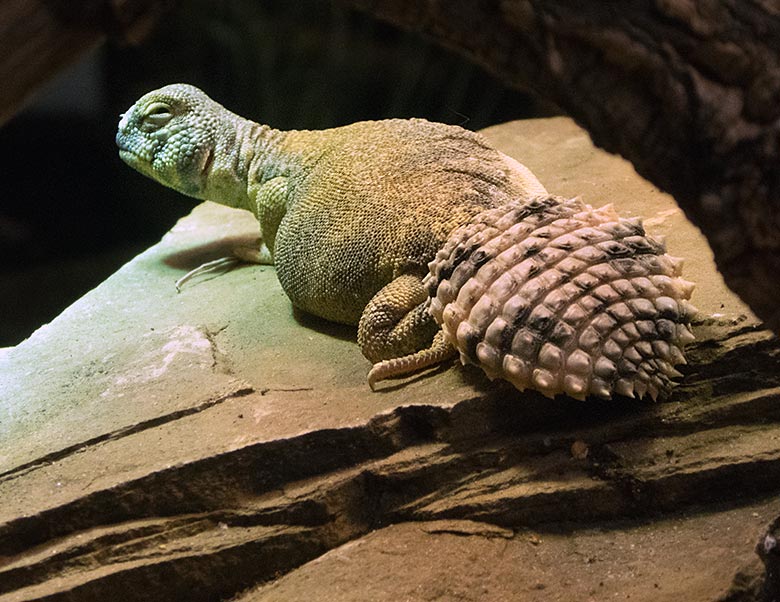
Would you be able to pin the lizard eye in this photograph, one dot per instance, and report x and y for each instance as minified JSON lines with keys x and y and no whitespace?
{"x":156,"y":116}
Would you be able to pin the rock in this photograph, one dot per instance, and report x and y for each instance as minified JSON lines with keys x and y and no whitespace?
{"x":650,"y":562}
{"x":196,"y":445}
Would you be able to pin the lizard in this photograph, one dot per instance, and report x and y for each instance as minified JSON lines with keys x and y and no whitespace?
{"x":433,"y":243}
{"x":349,"y":216}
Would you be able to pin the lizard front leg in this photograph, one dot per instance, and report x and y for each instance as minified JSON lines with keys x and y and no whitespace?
{"x":258,"y":253}
{"x":268,"y":202}
{"x":397,"y":333}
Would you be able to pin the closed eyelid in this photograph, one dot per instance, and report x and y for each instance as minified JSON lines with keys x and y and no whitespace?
{"x":158,"y":108}
{"x":155,"y":116}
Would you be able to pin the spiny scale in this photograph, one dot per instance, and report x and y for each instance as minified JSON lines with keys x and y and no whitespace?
{"x":556,"y":296}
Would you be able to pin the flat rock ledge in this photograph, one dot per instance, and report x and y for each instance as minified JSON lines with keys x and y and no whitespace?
{"x":214,"y":444}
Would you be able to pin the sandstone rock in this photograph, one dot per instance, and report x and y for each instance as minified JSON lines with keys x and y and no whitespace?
{"x":201,"y":444}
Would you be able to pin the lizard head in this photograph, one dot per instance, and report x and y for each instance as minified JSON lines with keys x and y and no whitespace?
{"x":169,"y":135}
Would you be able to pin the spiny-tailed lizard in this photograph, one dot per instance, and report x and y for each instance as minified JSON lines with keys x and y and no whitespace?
{"x":352,"y":216}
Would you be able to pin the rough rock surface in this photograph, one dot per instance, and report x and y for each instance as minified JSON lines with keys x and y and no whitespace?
{"x":213,"y":444}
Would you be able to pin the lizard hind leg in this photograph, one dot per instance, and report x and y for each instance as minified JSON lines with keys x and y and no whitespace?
{"x":439,"y":351}
{"x":396,"y":332}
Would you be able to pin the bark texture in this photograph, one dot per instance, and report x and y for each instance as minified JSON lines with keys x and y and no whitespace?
{"x":688,"y":91}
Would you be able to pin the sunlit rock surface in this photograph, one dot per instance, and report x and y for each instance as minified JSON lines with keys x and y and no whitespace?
{"x":214,"y":443}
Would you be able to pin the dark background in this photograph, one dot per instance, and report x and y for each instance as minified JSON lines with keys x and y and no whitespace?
{"x":71,"y":212}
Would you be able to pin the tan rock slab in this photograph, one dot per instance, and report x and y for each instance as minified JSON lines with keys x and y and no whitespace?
{"x":194,"y":444}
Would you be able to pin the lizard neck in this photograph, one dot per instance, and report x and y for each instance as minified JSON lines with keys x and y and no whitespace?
{"x":289,"y":154}
{"x":248,"y":154}
{"x":236,"y":148}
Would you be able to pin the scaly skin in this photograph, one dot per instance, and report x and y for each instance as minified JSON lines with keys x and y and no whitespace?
{"x":351,"y":215}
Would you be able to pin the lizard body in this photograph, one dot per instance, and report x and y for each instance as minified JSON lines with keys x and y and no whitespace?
{"x":351,"y":215}
{"x":433,"y":243}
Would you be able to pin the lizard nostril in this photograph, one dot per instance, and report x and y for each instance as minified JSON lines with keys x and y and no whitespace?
{"x":123,"y":120}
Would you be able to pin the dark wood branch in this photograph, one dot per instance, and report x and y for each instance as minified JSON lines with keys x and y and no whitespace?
{"x":38,"y":38}
{"x":688,"y":91}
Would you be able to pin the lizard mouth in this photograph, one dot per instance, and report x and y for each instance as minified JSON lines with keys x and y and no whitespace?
{"x":136,"y":162}
{"x":130,"y":158}
{"x":205,"y":168}
{"x":126,"y":152}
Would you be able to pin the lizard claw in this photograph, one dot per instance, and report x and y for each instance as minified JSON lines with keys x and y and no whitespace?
{"x":225,"y":263}
{"x":258,"y":254}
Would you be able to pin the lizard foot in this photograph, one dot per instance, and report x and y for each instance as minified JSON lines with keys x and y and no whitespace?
{"x":223,"y":263}
{"x":439,"y":351}
{"x":246,"y":254}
